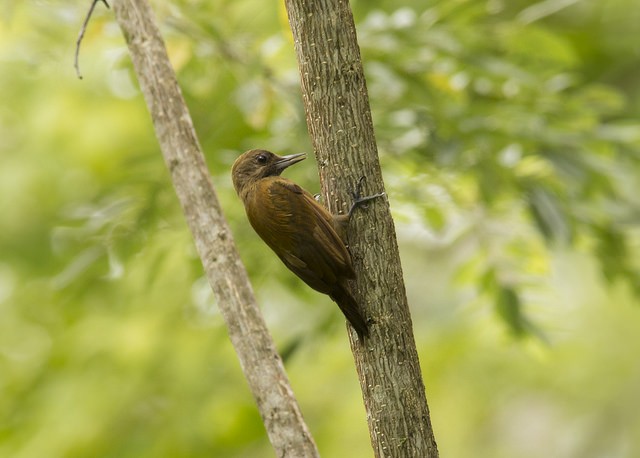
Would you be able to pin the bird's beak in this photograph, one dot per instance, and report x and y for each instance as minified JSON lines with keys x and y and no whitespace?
{"x":286,"y":161}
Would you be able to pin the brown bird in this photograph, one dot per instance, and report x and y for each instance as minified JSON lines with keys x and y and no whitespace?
{"x":303,"y":234}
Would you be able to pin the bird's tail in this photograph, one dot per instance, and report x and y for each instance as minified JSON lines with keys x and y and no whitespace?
{"x":351,"y":311}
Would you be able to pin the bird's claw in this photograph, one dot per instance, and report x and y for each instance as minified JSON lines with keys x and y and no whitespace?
{"x":358,"y":200}
{"x":357,"y":193}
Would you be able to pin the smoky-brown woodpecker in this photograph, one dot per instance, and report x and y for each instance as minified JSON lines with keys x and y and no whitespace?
{"x":305,"y":236}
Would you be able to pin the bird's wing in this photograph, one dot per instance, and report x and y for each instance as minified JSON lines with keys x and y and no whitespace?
{"x":301,"y":232}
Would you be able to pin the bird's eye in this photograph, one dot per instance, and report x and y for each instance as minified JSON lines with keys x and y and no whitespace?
{"x":261,"y":158}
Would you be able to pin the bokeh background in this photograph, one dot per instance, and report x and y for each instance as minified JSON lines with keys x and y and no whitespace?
{"x":510,"y":144}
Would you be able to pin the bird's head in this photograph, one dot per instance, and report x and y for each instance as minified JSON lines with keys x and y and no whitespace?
{"x":257,"y":164}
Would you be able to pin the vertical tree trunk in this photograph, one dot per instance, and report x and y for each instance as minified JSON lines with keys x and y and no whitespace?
{"x":260,"y":363}
{"x":339,"y":121}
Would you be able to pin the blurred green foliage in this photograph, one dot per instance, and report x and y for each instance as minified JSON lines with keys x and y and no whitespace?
{"x":510,"y":144}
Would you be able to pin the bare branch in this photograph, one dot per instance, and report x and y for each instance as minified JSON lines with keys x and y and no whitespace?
{"x":339,"y":119}
{"x":261,"y":364}
{"x":81,"y":34}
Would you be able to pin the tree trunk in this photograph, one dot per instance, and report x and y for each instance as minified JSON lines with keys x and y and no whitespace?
{"x":261,"y":364}
{"x":339,"y":121}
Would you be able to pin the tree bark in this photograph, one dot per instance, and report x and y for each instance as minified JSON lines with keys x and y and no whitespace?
{"x":339,"y":121}
{"x":260,"y":362}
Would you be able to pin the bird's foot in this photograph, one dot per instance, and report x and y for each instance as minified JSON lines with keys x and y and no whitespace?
{"x":358,"y":199}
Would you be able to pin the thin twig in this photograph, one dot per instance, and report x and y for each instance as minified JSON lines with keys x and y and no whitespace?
{"x":82,"y":31}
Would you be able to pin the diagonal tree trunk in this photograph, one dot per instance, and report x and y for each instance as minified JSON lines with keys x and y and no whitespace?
{"x":260,"y":363}
{"x":339,"y":121}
